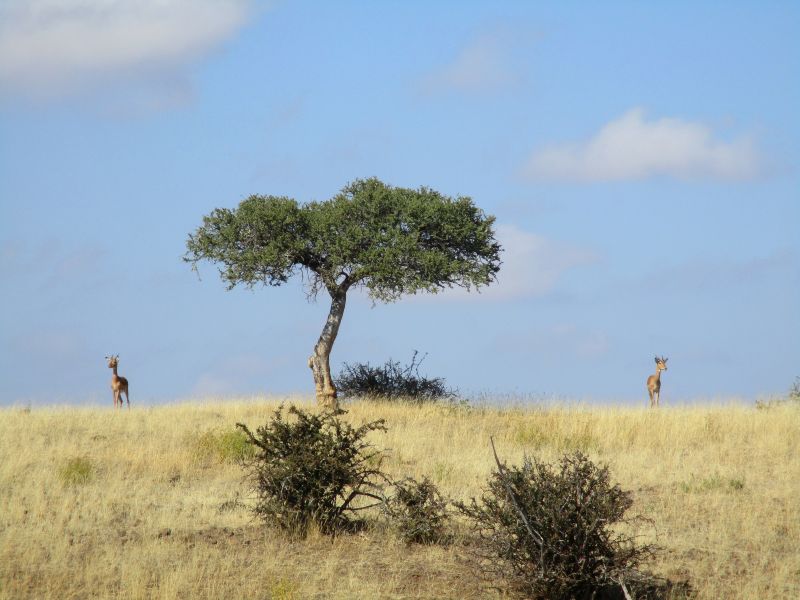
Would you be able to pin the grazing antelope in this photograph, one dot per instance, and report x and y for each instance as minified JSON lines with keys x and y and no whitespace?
{"x":118,"y":384}
{"x":654,"y":381}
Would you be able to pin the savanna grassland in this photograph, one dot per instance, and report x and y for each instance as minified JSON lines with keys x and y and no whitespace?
{"x":150,"y":503}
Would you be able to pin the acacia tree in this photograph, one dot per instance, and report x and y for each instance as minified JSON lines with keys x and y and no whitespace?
{"x":389,"y":240}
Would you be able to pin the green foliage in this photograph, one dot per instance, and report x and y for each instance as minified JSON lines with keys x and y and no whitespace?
{"x":547,"y":531}
{"x":76,"y":471}
{"x":230,"y":446}
{"x":418,"y":512}
{"x":263,"y":240}
{"x":390,"y":240}
{"x":392,"y":381}
{"x":314,"y":469}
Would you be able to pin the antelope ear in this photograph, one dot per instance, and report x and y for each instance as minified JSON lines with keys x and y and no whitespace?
{"x":656,"y":360}
{"x":665,"y":360}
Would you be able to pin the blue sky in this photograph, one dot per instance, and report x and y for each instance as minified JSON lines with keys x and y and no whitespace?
{"x":641,"y":160}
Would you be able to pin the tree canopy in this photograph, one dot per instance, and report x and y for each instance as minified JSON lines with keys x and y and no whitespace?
{"x":389,"y":240}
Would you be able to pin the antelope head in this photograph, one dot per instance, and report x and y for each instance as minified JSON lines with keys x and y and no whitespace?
{"x":661,"y":363}
{"x":113,"y":361}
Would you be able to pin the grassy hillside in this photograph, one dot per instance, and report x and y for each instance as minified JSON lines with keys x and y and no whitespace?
{"x":147,"y":503}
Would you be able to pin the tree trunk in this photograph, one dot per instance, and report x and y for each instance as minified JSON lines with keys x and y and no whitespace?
{"x":319,"y":362}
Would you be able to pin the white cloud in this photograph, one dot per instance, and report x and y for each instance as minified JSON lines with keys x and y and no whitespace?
{"x":532,"y":267}
{"x":52,"y":48}
{"x":631,"y":148}
{"x":482,"y":65}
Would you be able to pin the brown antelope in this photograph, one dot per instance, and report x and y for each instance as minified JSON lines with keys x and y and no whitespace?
{"x":654,"y":381}
{"x":118,"y":384}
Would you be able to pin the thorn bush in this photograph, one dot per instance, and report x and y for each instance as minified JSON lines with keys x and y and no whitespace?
{"x":418,"y":511}
{"x":392,"y":381}
{"x":313,"y":469}
{"x":545,"y":532}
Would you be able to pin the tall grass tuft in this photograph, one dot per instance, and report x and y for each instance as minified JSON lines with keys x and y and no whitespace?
{"x":228,"y":446}
{"x":78,"y":470}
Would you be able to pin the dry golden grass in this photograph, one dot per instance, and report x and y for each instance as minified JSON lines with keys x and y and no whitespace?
{"x":100,"y":504}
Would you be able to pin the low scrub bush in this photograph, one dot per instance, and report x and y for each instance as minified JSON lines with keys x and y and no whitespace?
{"x":418,"y":512}
{"x":76,"y":471}
{"x":392,"y":381}
{"x":547,"y":532}
{"x":313,"y":469}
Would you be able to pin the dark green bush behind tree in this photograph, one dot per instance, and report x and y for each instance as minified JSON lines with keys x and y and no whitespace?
{"x":392,"y":381}
{"x":388,"y":240}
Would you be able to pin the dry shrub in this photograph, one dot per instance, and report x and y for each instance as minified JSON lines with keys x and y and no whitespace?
{"x":546,"y":532}
{"x":314,"y":469}
{"x":418,"y":512}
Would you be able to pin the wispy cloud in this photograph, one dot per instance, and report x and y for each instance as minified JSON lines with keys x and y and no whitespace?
{"x":49,"y":345}
{"x":559,"y":340}
{"x":632,"y":148}
{"x":480,"y":66}
{"x":705,"y":275}
{"x":237,"y":373}
{"x":56,"y":48}
{"x":52,"y":265}
{"x":532,"y":267}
